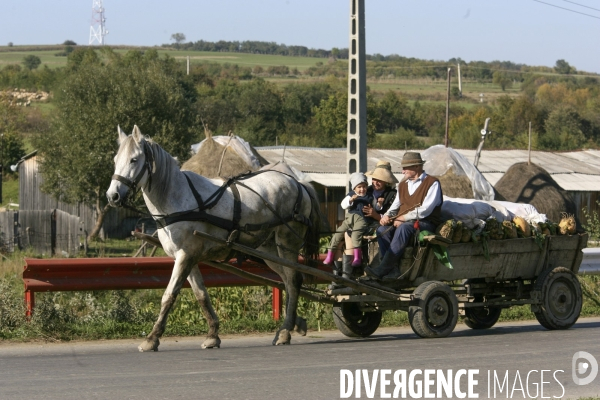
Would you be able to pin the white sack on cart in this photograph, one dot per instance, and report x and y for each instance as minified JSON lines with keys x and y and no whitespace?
{"x":471,"y":212}
{"x":526,"y":211}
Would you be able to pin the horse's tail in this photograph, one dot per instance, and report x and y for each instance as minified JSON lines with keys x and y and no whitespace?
{"x":313,"y":233}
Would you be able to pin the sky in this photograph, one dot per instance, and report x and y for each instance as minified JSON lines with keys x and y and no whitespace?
{"x":532,"y":32}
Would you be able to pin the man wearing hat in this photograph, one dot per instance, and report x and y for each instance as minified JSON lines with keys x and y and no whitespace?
{"x":418,"y":205}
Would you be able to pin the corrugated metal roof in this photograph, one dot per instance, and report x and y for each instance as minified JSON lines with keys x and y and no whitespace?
{"x":573,"y":171}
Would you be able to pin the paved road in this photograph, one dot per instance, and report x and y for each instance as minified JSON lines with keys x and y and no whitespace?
{"x":250,"y":368}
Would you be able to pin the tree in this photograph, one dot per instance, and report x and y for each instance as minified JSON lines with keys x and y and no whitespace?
{"x":69,"y":43}
{"x":331,"y":119}
{"x":564,"y":130}
{"x":394,"y":113}
{"x":31,"y":62}
{"x":563,"y":67}
{"x":178,"y":37}
{"x":11,"y":118}
{"x":77,"y":153}
{"x":502,"y":79}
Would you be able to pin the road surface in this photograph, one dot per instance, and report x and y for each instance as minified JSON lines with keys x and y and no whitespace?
{"x":249,"y":367}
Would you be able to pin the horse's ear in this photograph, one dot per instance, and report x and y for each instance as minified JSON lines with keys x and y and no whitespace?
{"x":122,"y":135}
{"x":137,"y":134}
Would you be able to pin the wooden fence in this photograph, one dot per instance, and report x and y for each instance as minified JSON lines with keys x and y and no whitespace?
{"x":47,"y":232}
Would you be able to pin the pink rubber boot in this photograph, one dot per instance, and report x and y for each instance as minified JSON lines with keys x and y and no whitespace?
{"x":329,"y":258}
{"x":357,"y":257}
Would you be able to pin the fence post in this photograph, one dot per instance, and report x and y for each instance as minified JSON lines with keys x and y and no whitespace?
{"x":15,"y":230}
{"x":277,"y":303}
{"x":30,"y":303}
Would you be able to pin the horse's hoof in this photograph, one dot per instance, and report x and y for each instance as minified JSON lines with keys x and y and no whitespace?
{"x":211,"y":343}
{"x":149,"y":345}
{"x":301,"y":326}
{"x":282,"y":337}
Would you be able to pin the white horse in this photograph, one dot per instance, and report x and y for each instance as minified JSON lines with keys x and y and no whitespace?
{"x":274,"y":214}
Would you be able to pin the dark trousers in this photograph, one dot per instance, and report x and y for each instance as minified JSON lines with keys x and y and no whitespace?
{"x":397,"y":239}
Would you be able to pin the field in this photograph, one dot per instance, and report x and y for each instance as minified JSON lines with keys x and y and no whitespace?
{"x":414,"y":89}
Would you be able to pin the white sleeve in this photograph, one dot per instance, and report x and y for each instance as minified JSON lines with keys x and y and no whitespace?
{"x":432,"y":199}
{"x":346,"y":203}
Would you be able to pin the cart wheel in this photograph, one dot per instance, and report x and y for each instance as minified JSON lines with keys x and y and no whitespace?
{"x":437,"y":310}
{"x":561,"y":298}
{"x":353,"y":322}
{"x":481,"y":317}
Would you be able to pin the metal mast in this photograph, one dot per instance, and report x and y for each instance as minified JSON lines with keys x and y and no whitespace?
{"x":97,"y":28}
{"x":356,"y":150}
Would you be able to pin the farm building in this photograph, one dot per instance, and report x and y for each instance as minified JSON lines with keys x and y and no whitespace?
{"x":49,"y":225}
{"x":577,"y":172}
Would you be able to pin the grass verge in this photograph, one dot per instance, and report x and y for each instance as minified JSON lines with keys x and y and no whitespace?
{"x":93,"y":315}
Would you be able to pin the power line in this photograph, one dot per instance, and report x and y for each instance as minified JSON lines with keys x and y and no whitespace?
{"x":581,"y":5}
{"x":568,"y":9}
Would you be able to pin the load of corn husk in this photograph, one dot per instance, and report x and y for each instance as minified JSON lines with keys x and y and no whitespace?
{"x":523,"y":227}
{"x":457,"y":232}
{"x":566,"y":225}
{"x":446,"y":229}
{"x":493,"y":228}
{"x":466,"y":235}
{"x":510,"y":229}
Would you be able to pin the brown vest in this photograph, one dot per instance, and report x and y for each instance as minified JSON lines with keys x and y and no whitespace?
{"x":408,"y":202}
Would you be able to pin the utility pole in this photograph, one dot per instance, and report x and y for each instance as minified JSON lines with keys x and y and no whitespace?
{"x":356,"y":148}
{"x":447,"y":109}
{"x":97,"y":28}
{"x":529,"y":150}
{"x":1,"y":163}
{"x":459,"y":80}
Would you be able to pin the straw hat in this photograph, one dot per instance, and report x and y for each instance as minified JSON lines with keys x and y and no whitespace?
{"x":383,"y":172}
{"x":411,"y":158}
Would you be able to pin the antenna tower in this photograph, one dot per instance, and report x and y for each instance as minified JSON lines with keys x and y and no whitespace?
{"x":97,"y":28}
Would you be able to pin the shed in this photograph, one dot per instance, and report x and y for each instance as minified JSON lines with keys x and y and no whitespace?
{"x":51,"y":211}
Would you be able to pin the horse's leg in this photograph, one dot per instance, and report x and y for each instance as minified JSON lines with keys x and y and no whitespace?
{"x":197,"y":283}
{"x":292,"y":281}
{"x":181,"y":270}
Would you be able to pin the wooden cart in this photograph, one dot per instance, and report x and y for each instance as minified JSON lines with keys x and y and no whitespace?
{"x":511,"y":272}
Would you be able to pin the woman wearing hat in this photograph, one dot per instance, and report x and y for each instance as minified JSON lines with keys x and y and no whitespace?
{"x":418,"y":205}
{"x":383,"y":190}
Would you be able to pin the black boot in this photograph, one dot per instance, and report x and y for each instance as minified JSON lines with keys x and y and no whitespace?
{"x":347,"y":267}
{"x":345,"y":270}
{"x":337,"y":271}
{"x":387,"y":265}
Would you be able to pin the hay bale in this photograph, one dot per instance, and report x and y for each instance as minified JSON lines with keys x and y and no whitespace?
{"x":456,"y":185}
{"x":215,"y":160}
{"x":531,"y":184}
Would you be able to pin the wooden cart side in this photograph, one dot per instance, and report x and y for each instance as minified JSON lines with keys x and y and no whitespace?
{"x":508,"y":259}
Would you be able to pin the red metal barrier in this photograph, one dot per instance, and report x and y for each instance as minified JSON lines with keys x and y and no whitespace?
{"x":125,"y":273}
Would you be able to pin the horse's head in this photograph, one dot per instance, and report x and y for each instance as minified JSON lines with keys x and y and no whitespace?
{"x":133,"y":166}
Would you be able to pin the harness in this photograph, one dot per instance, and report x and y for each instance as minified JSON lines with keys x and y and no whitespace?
{"x":200,"y":214}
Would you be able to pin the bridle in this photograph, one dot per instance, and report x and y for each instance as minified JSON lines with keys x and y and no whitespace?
{"x":148,"y":161}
